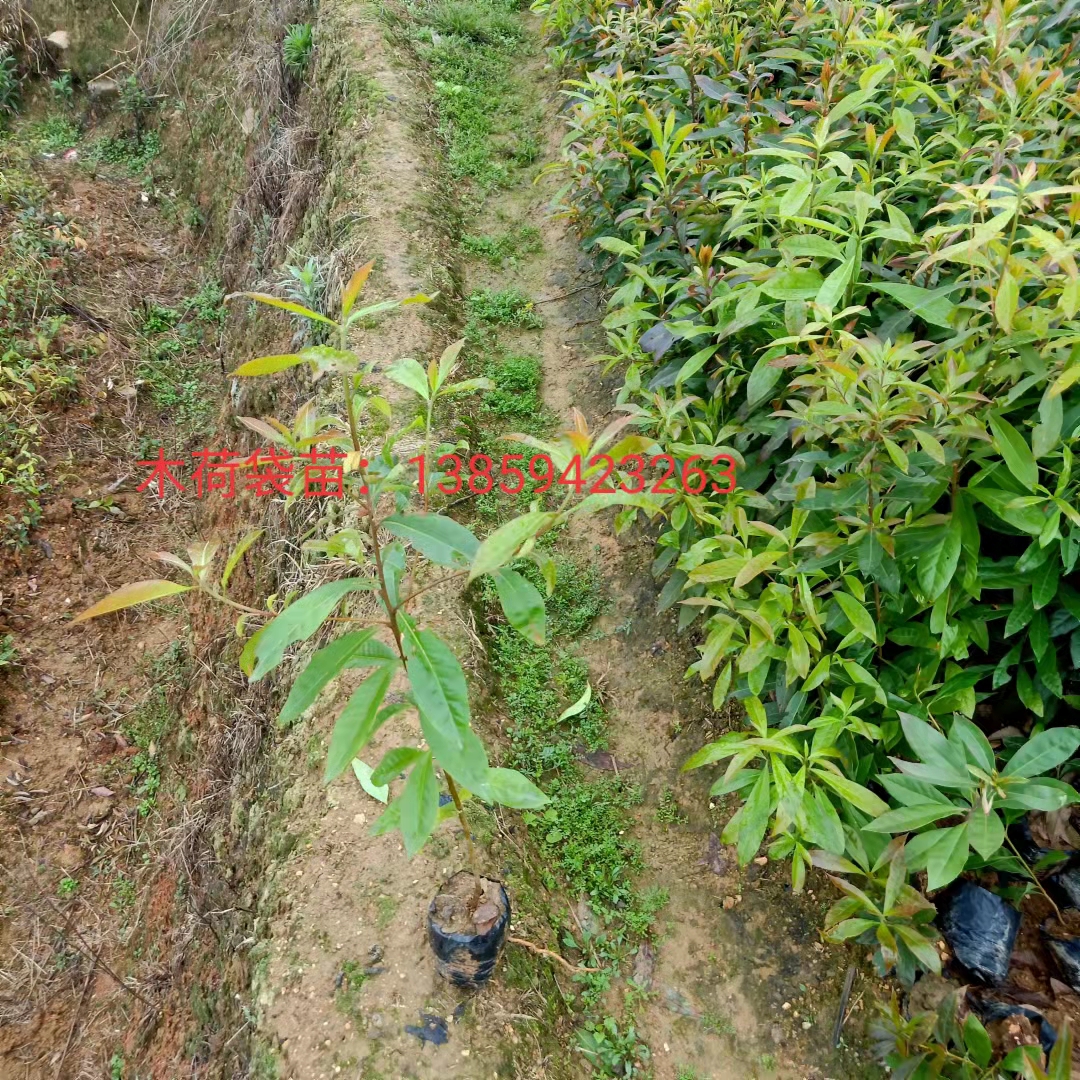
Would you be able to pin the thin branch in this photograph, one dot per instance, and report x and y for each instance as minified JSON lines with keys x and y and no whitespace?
{"x":573,"y":969}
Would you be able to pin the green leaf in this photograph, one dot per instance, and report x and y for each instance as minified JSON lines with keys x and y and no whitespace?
{"x":947,"y":857}
{"x":139,"y":592}
{"x":986,"y":832}
{"x":931,"y":305}
{"x":359,"y":720}
{"x":508,"y":787}
{"x":437,"y":681}
{"x":937,"y":565}
{"x":238,"y":554}
{"x":522,"y":605}
{"x":1044,"y":585}
{"x":1044,"y":752}
{"x":323,"y":666}
{"x":352,"y":290}
{"x":833,"y":287}
{"x":975,"y":743}
{"x":363,"y":773}
{"x":857,"y":615}
{"x":1014,"y":449}
{"x":409,"y":373}
{"x":578,"y":707}
{"x":300,"y":620}
{"x":394,"y":763}
{"x":859,"y":797}
{"x":268,"y":365}
{"x":749,"y":824}
{"x":1060,"y":1067}
{"x":1006,"y":299}
{"x":503,"y":544}
{"x":435,"y":536}
{"x":763,"y":377}
{"x":419,"y":805}
{"x":909,"y":818}
{"x":977,"y":1041}
{"x":931,"y":747}
{"x":285,"y":305}
{"x":793,"y":285}
{"x":617,"y":247}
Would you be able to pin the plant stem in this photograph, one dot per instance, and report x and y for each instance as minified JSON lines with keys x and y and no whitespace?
{"x":1031,"y":874}
{"x":473,"y":865}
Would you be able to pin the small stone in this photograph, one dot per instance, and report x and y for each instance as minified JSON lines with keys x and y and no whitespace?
{"x":729,"y":902}
{"x":786,"y":1005}
{"x":761,"y":860}
{"x":806,"y":1025}
{"x":464,"y":1053}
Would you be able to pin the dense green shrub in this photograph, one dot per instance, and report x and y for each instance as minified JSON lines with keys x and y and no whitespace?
{"x":845,"y":254}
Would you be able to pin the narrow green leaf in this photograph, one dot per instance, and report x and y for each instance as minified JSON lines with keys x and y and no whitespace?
{"x":931,"y":305}
{"x":238,"y":554}
{"x":909,"y":818}
{"x":522,"y":605}
{"x":439,"y":538}
{"x":285,"y":305}
{"x":323,"y":666}
{"x":139,"y":592}
{"x":946,"y":859}
{"x":508,"y":787}
{"x":395,"y":762}
{"x":437,"y":681}
{"x":359,"y":720}
{"x":857,"y":615}
{"x":300,"y":620}
{"x":1014,"y":449}
{"x":578,"y":707}
{"x":937,"y":566}
{"x":1044,"y":752}
{"x":268,"y":365}
{"x":419,"y":805}
{"x":501,"y":546}
{"x":362,"y":772}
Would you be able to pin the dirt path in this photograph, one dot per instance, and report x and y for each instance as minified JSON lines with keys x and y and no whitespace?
{"x":734,"y":983}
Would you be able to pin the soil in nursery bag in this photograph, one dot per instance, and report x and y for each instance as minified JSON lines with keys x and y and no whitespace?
{"x":467,"y":927}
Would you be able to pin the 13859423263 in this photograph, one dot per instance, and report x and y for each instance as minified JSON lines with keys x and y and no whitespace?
{"x":599,"y":474}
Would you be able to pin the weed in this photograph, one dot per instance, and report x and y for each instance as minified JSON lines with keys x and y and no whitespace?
{"x":132,"y":153}
{"x":685,"y":1072}
{"x":68,"y":887}
{"x":717,"y":1024}
{"x":613,"y":1052}
{"x":469,"y":47}
{"x":116,"y":1066}
{"x":386,"y":907}
{"x":667,"y":811}
{"x":9,"y":654}
{"x":124,"y":893}
{"x":516,"y":397}
{"x":62,"y":87}
{"x":297,"y":47}
{"x":767,"y":1062}
{"x":506,"y":249}
{"x":53,"y":134}
{"x":9,"y":85}
{"x":350,"y":982}
{"x":503,"y":307}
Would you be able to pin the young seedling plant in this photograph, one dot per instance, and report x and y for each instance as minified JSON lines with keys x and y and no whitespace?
{"x":394,"y":640}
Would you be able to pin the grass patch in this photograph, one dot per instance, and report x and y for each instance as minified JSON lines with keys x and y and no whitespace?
{"x":54,"y":134}
{"x":350,"y":983}
{"x":505,"y":249}
{"x":502,"y":307}
{"x":174,"y":367}
{"x":516,"y":397}
{"x":469,"y":48}
{"x":37,"y":362}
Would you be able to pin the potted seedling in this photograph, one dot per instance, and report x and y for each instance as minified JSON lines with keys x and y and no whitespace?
{"x":469,"y":916}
